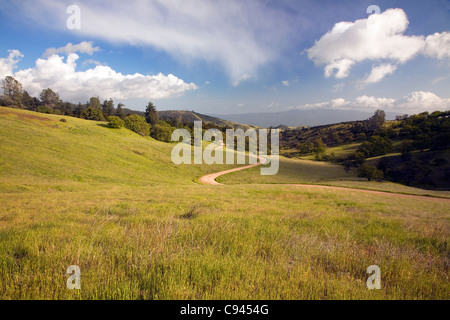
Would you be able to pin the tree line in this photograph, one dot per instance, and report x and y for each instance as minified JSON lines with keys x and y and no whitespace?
{"x":49,"y":101}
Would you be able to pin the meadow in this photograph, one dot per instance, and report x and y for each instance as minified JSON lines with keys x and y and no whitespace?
{"x":139,"y":227}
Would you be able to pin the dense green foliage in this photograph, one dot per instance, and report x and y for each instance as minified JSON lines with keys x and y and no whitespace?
{"x":115,"y":122}
{"x":91,"y":113}
{"x":137,"y":124}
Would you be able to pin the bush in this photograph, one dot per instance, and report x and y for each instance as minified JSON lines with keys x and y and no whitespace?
{"x":45,"y":109}
{"x":162,"y":131}
{"x":63,"y":120}
{"x":92,"y":114}
{"x":115,"y":122}
{"x":137,"y":124}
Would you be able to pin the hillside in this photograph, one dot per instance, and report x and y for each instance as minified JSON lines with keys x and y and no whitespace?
{"x":39,"y":151}
{"x":190,"y":116}
{"x":139,"y":227}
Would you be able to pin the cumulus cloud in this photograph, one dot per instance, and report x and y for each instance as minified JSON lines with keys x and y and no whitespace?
{"x":72,"y":85}
{"x":425,"y":101}
{"x":414,"y":102}
{"x":377,"y":38}
{"x":438,"y":45}
{"x":7,"y":65}
{"x":83,"y":47}
{"x":237,"y":35}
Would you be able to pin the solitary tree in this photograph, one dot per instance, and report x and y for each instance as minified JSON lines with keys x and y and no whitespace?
{"x":369,"y":172}
{"x":377,"y":120}
{"x":151,"y":115}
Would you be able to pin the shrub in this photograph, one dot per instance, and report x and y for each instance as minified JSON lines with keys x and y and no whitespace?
{"x":115,"y":122}
{"x":92,"y":114}
{"x":45,"y":109}
{"x":63,"y":120}
{"x":162,"y":131}
{"x":137,"y":124}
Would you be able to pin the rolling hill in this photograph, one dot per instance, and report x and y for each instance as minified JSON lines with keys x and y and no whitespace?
{"x":191,"y":116}
{"x":76,"y":192}
{"x":300,"y":118}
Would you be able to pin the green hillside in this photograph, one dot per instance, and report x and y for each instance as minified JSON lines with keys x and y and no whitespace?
{"x":40,"y":152}
{"x":139,"y":227}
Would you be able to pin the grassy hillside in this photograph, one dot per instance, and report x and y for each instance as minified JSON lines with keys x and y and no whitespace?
{"x":111,"y":202}
{"x":40,"y":152}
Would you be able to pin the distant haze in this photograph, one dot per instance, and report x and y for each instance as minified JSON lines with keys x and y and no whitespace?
{"x":295,"y":118}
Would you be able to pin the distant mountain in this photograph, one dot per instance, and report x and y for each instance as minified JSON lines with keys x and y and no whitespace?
{"x":297,"y":118}
{"x":191,"y":116}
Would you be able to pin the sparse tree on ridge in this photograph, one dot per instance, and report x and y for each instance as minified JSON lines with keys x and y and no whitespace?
{"x":151,"y":115}
{"x":377,"y":120}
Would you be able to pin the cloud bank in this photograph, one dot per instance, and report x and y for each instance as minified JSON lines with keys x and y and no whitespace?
{"x":380,"y":37}
{"x":415,"y":102}
{"x":61,"y":75}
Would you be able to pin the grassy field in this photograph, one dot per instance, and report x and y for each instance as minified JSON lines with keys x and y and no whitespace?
{"x":139,"y":227}
{"x":295,"y":171}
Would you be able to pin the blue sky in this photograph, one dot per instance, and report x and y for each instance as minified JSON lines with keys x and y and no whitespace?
{"x":234,"y":56}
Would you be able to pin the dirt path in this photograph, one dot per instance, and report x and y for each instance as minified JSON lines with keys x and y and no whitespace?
{"x":211,"y":180}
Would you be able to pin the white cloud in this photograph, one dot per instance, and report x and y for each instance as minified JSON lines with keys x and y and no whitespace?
{"x":7,"y":65}
{"x":239,"y":36}
{"x":379,"y":37}
{"x":82,"y":47}
{"x":415,"y":102}
{"x":73,"y":85}
{"x":379,"y":72}
{"x":438,"y":45}
{"x":342,"y":66}
{"x":366,"y":102}
{"x":285,"y":83}
{"x":423,"y":101}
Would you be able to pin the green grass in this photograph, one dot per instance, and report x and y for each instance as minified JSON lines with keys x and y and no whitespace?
{"x":141,"y":228}
{"x":295,"y":171}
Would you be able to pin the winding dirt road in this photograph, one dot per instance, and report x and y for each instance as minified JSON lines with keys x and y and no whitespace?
{"x":210,"y":179}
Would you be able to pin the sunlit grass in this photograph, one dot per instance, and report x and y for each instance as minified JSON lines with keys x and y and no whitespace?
{"x":140,"y":227}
